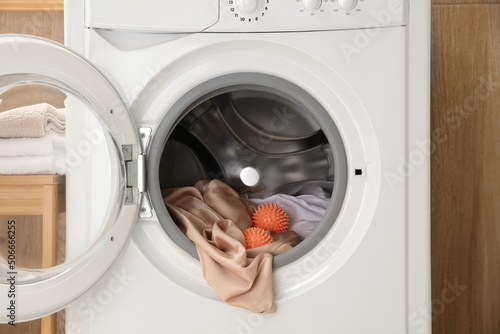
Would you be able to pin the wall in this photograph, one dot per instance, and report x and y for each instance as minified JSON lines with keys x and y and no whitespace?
{"x":466,"y":166}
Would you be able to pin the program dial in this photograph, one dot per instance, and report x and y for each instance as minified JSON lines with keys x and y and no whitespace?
{"x":312,"y":5}
{"x":347,"y":5}
{"x":249,"y":6}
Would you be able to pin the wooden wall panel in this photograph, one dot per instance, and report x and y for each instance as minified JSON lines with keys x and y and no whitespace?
{"x":463,"y":2}
{"x":48,"y":24}
{"x":466,"y":169}
{"x":31,"y":5}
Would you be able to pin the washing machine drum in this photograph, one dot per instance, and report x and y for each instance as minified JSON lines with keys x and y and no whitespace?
{"x":258,"y":143}
{"x":263,"y":138}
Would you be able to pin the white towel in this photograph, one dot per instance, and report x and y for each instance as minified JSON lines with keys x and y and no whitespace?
{"x":304,"y":211}
{"x":36,"y":120}
{"x":43,"y":146}
{"x":46,"y":165}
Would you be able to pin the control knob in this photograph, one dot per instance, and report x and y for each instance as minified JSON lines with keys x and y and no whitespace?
{"x":248,"y":6}
{"x":312,"y":5}
{"x":347,"y":5}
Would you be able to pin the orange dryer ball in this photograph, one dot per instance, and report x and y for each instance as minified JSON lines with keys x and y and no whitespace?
{"x":271,"y":216}
{"x":256,"y":237}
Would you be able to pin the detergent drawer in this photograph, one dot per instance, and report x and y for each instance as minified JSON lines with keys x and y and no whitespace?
{"x":151,"y":15}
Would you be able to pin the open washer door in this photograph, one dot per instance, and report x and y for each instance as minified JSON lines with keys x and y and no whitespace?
{"x":90,"y":202}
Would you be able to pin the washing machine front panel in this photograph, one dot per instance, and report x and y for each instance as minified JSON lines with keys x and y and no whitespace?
{"x":357,"y":268}
{"x":361,"y":268}
{"x":208,"y":64}
{"x":97,"y":147}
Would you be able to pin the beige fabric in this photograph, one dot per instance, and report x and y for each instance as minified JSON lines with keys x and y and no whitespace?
{"x":213,"y":216}
{"x":32,"y":121}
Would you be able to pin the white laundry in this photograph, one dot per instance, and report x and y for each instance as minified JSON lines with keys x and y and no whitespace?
{"x":48,"y":165}
{"x":304,"y":211}
{"x":42,"y":146}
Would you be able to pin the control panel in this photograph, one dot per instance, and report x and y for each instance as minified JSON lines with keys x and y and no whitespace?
{"x":306,"y":15}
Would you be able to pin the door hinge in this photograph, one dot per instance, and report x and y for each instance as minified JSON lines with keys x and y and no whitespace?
{"x":133,"y":178}
{"x":136,"y":175}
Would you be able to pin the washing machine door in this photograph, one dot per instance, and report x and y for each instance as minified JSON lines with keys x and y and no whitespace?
{"x":70,"y":184}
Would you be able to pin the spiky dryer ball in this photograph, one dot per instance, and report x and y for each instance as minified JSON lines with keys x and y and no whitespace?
{"x":271,"y":216}
{"x":256,"y":237}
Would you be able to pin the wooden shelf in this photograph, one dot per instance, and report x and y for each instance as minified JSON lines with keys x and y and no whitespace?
{"x":31,"y":5}
{"x":37,"y":195}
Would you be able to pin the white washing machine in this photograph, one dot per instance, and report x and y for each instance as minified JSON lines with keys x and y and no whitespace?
{"x":308,"y":94}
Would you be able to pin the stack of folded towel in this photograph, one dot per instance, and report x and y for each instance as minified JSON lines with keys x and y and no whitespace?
{"x":32,"y":140}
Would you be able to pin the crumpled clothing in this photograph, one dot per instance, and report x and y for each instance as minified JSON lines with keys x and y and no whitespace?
{"x":305,"y":211}
{"x":214,"y":216}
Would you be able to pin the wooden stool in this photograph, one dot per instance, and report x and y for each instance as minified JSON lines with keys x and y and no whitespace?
{"x":37,"y":195}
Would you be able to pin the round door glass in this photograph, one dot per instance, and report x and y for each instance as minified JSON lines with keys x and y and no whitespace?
{"x":59,"y":177}
{"x":66,"y":207}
